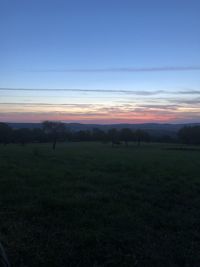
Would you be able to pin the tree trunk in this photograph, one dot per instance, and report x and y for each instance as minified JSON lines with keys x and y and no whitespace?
{"x":139,"y":141}
{"x":54,"y":143}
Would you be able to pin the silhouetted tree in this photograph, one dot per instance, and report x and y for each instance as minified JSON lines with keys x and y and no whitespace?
{"x":141,"y":136}
{"x":166,"y":139}
{"x":5,"y":133}
{"x":189,"y":135}
{"x":68,"y":134}
{"x":82,"y":135}
{"x":23,"y":136}
{"x":55,"y":130}
{"x":126,"y":135}
{"x":98,"y":135}
{"x":113,"y":136}
{"x":38,"y":135}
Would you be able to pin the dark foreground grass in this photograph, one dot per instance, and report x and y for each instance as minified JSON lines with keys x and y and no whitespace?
{"x":93,"y":205}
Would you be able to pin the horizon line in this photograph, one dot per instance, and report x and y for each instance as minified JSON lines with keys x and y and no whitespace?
{"x":175,"y":123}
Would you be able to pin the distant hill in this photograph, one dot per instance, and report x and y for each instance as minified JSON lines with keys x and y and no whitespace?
{"x":19,"y":125}
{"x":156,"y":129}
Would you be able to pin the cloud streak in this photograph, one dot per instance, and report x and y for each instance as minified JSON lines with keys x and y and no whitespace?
{"x":99,"y":111}
{"x":133,"y":92}
{"x":141,"y":106}
{"x":84,"y":90}
{"x":124,"y":69}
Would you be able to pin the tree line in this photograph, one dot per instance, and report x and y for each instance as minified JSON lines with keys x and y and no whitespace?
{"x":58,"y":131}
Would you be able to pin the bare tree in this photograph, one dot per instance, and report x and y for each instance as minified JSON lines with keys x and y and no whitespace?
{"x":5,"y":133}
{"x":126,"y":135}
{"x":54,"y":129}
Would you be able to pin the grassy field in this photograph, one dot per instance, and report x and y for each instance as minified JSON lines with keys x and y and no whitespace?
{"x":88,"y":204}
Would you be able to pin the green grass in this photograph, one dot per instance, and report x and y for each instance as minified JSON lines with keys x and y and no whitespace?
{"x":88,"y":204}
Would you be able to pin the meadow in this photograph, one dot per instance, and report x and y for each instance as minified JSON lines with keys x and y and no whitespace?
{"x":88,"y":204}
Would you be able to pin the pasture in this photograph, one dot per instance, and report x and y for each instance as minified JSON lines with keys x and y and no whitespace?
{"x":88,"y":204}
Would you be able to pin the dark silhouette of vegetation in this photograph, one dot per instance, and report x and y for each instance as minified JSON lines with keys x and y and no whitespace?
{"x":126,"y":135}
{"x":23,"y":136}
{"x":114,"y":137}
{"x":58,"y":132}
{"x":190,"y":135}
{"x":99,"y":135}
{"x":5,"y":133}
{"x":55,"y":130}
{"x":138,"y":135}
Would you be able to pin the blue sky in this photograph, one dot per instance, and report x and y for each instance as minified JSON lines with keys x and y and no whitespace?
{"x":148,"y":47}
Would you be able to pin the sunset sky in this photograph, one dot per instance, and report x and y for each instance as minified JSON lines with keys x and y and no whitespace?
{"x":100,"y":61}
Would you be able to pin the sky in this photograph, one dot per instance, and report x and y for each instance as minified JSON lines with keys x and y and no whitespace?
{"x":100,"y":61}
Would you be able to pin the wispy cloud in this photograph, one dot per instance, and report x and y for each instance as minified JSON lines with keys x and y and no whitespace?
{"x":143,"y":92}
{"x":140,"y":106}
{"x":133,"y":92}
{"x":160,"y":106}
{"x":98,"y":112}
{"x":189,"y":92}
{"x":30,"y":104}
{"x":181,"y":101}
{"x":123,"y":69}
{"x":92,"y":117}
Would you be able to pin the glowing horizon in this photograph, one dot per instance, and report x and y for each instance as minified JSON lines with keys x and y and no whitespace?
{"x":148,"y":106}
{"x":100,"y":61}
